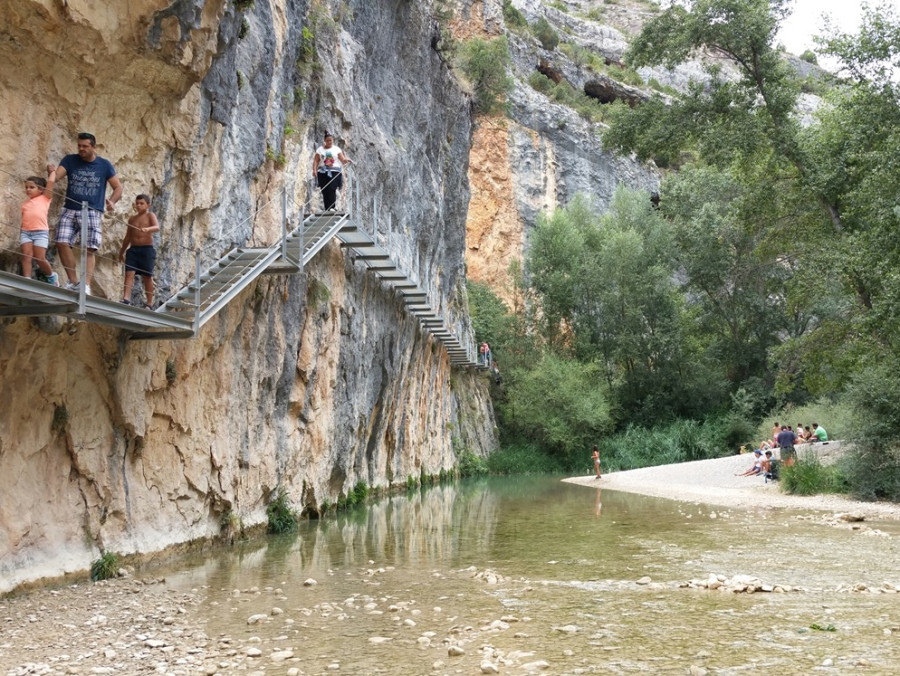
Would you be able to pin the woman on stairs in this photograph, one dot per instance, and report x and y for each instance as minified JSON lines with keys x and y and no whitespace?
{"x":327,"y":165}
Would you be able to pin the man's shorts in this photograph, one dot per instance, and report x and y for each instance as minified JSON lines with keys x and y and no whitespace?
{"x":788,"y":453}
{"x":68,"y":230}
{"x":38,"y":238}
{"x":140,"y":260}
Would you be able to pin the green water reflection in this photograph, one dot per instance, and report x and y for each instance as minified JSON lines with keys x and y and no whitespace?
{"x":528,"y":570}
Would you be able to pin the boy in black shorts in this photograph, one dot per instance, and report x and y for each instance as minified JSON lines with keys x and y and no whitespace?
{"x":141,"y":256}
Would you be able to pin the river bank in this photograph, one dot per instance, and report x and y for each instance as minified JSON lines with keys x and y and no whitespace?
{"x":714,"y":482}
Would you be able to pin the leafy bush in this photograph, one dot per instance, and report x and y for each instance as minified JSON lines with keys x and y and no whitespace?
{"x":282,"y":519}
{"x":485,"y":62}
{"x":809,"y":56}
{"x":525,"y":459}
{"x":678,"y":441}
{"x":808,"y":476}
{"x":514,"y":18}
{"x":358,"y":495}
{"x":545,"y":34}
{"x":559,"y":404}
{"x":471,"y":464}
{"x":106,"y":567}
{"x":873,"y":466}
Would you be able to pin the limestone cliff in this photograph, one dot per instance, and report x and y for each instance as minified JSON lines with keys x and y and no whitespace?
{"x":310,"y":382}
{"x":544,"y":153}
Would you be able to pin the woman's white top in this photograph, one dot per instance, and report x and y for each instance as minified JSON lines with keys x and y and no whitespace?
{"x":329,"y":158}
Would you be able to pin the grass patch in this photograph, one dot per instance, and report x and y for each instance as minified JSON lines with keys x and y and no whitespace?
{"x":524,"y":459}
{"x":808,"y":476}
{"x":106,"y":567}
{"x":678,"y":441}
{"x":282,"y":518}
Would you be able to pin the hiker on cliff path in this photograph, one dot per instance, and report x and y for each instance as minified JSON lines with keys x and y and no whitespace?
{"x":327,"y":170}
{"x":88,"y":175}
{"x":35,"y":235}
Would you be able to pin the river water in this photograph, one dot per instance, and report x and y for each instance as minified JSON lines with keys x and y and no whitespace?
{"x":531,"y":575}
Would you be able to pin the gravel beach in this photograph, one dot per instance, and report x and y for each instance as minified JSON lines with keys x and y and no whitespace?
{"x":714,"y":482}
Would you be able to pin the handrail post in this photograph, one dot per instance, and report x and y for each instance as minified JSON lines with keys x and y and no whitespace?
{"x":374,"y":216}
{"x":302,"y":238}
{"x":82,"y":287}
{"x":284,"y":228}
{"x":356,"y":201}
{"x":196,"y":327}
{"x":352,"y":184}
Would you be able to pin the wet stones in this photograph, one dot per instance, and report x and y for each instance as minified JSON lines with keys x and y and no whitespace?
{"x":738,"y":584}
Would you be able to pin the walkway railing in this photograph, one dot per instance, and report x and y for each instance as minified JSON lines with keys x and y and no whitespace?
{"x":210,"y":290}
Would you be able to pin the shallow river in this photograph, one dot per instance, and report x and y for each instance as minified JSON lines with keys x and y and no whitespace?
{"x":531,"y":575}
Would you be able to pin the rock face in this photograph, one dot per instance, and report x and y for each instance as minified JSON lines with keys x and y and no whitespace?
{"x":310,"y":382}
{"x":544,"y":154}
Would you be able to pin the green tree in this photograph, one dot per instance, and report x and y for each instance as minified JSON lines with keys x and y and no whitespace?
{"x":738,"y":284}
{"x":485,"y":63}
{"x":559,"y":403}
{"x":606,"y":290}
{"x":726,"y":120}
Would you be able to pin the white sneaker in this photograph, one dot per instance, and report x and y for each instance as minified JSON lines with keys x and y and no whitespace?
{"x":87,"y":290}
{"x":53,"y":279}
{"x":71,"y":286}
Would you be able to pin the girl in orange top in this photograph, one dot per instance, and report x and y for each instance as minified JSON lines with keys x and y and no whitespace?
{"x":35,"y":235}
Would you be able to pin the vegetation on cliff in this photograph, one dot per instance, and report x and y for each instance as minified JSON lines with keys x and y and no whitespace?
{"x":764,"y":279}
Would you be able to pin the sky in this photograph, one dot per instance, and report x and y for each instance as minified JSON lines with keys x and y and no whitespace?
{"x":797,"y":31}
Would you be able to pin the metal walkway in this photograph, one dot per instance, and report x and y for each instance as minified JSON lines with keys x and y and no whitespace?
{"x":183,"y":315}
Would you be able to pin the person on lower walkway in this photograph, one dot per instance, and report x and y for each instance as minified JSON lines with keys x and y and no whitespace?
{"x":137,"y":250}
{"x":87,"y":174}
{"x":328,"y":164}
{"x":35,"y":235}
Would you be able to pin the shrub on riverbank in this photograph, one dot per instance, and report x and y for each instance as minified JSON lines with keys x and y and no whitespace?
{"x":808,"y":476}
{"x":526,"y":459}
{"x":282,"y":518}
{"x":678,"y":441}
{"x":873,"y":467}
{"x":106,"y":567}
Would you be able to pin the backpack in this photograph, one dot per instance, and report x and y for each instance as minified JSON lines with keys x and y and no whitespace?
{"x":773,"y":470}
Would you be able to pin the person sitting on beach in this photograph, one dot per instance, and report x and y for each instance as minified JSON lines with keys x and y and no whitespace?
{"x":770,"y":467}
{"x":801,"y":436}
{"x":776,"y":429}
{"x":757,"y":465}
{"x":819,"y":433}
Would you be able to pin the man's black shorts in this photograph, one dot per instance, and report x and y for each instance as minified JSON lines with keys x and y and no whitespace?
{"x":141,"y":260}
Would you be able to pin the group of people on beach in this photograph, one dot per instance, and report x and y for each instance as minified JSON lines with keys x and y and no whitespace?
{"x":88,"y":175}
{"x":785,"y":439}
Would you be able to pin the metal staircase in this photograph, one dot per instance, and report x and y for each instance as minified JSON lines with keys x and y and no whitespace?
{"x":212,"y":290}
{"x":185,"y":313}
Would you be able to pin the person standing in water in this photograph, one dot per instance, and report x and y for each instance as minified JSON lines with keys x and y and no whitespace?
{"x":327,"y":170}
{"x":595,"y":456}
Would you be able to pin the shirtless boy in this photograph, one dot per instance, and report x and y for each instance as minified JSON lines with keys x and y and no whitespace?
{"x":140,"y":256}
